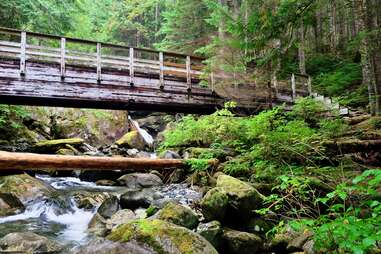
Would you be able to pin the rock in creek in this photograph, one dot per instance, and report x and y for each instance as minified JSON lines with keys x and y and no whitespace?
{"x":10,"y":205}
{"x":25,"y":187}
{"x":140,"y":180}
{"x":179,"y":215}
{"x":133,"y":199}
{"x":162,"y":237}
{"x":109,"y":207}
{"x":169,"y":155}
{"x":89,"y":200}
{"x":28,"y":242}
{"x":103,"y":246}
{"x":97,"y":226}
{"x":105,"y":182}
{"x":132,"y":139}
{"x":238,"y":242}
{"x":120,"y":217}
{"x":211,"y":231}
{"x":243,"y":199}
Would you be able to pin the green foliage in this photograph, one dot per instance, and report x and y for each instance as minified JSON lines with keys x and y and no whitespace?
{"x":309,"y":110}
{"x":239,"y":166}
{"x":357,"y":226}
{"x":198,"y":165}
{"x":333,"y":128}
{"x":11,"y":118}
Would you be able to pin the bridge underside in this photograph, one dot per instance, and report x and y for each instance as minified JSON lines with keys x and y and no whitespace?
{"x":42,"y":86}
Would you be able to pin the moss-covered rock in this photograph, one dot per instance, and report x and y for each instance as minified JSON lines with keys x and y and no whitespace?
{"x":10,"y":204}
{"x":179,"y":215}
{"x":25,"y":187}
{"x":214,"y":204}
{"x":52,"y":146}
{"x":244,"y":199}
{"x":28,"y":242}
{"x":140,"y":180}
{"x":211,"y":231}
{"x":120,"y":217}
{"x":109,"y":207}
{"x":131,"y":139}
{"x":238,"y":242}
{"x":163,"y":237}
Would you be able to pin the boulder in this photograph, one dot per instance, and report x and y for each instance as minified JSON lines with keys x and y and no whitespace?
{"x":27,"y":242}
{"x":89,"y":200}
{"x":52,"y":146}
{"x":162,"y":237}
{"x":214,"y":204}
{"x":105,"y":182}
{"x":140,"y":180}
{"x":259,"y":225}
{"x":169,"y":155}
{"x":97,"y":226}
{"x":25,"y":187}
{"x":109,"y":207}
{"x":179,"y":215}
{"x":103,"y":246}
{"x":10,"y":205}
{"x":244,"y":199}
{"x":132,"y":139}
{"x":211,"y":231}
{"x":119,"y":218}
{"x":133,"y":199}
{"x":237,"y":242}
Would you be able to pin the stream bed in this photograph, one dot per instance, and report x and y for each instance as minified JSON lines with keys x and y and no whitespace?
{"x":59,"y":218}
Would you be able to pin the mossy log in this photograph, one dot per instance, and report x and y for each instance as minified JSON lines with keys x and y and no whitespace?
{"x":352,"y":146}
{"x":29,"y":161}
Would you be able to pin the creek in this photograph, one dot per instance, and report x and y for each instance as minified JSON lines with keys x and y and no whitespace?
{"x":59,"y":218}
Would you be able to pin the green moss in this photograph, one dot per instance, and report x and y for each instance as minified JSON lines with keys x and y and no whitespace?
{"x":179,"y":215}
{"x":151,"y":210}
{"x":158,"y":234}
{"x":58,"y":142}
{"x":131,"y":139}
{"x":214,"y":204}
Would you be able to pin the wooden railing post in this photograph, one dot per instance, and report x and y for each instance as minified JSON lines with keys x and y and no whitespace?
{"x":63,"y":54}
{"x":293,"y":87}
{"x":131,"y":66}
{"x":23,"y":54}
{"x":309,"y":84}
{"x":212,"y":81}
{"x":99,"y":62}
{"x":161,"y":60}
{"x":189,"y":79}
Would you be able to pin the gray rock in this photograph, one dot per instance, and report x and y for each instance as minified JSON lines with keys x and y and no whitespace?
{"x":10,"y":205}
{"x":179,"y":215}
{"x":105,"y":182}
{"x":28,"y":242}
{"x":133,"y":199}
{"x":120,"y":217}
{"x":98,"y":226}
{"x":109,"y":207}
{"x":140,"y":180}
{"x":169,"y":155}
{"x":103,"y":246}
{"x":211,"y":231}
{"x":238,"y":242}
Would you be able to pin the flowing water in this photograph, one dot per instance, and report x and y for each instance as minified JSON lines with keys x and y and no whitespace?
{"x":60,"y":218}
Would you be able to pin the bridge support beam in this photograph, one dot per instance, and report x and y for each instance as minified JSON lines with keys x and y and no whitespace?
{"x":29,"y":161}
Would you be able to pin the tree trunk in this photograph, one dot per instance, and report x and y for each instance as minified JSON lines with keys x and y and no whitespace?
{"x":365,"y":51}
{"x":302,"y":56}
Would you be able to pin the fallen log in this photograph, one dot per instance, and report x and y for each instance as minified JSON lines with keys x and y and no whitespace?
{"x":352,"y":146}
{"x":29,"y":161}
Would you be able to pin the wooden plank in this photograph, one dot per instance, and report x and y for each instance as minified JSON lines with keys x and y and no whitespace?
{"x":29,"y":161}
{"x":23,"y":54}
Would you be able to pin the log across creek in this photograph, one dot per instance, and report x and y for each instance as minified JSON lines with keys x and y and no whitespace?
{"x":30,"y":161}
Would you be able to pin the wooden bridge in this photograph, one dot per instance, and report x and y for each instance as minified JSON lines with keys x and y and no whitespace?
{"x":47,"y":70}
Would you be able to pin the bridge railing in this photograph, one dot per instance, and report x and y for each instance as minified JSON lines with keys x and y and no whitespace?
{"x":64,"y":51}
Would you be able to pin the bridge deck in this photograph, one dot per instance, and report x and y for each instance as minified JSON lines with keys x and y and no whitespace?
{"x":47,"y":70}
